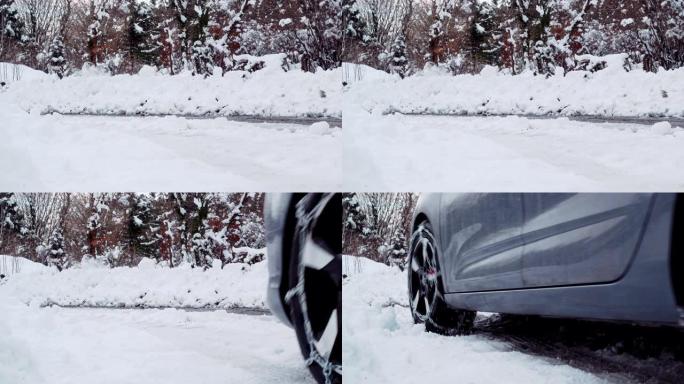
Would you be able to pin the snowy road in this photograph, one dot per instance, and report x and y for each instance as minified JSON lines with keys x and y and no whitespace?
{"x":383,"y":345}
{"x":74,"y":346}
{"x":54,"y":152}
{"x":420,"y":153}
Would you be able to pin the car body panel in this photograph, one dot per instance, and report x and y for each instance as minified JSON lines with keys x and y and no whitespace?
{"x":483,"y":233}
{"x":276,"y":207}
{"x":581,"y":238}
{"x":640,"y":287}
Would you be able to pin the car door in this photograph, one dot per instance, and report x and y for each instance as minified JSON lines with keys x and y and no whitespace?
{"x":580,"y":238}
{"x":481,"y":235}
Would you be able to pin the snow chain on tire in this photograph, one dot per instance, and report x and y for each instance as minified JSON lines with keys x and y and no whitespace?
{"x":306,"y":216}
{"x":439,"y":318}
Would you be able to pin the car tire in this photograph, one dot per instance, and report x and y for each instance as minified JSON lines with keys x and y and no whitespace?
{"x":426,"y":288}
{"x":315,"y":294}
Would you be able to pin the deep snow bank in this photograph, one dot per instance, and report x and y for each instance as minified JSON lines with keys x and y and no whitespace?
{"x":147,"y":285}
{"x":11,"y":73}
{"x":609,"y":92}
{"x":267,"y":92}
{"x":11,"y":265}
{"x":382,"y":345}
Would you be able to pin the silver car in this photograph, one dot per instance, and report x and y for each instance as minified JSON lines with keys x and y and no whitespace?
{"x":614,"y":257}
{"x":304,"y":238}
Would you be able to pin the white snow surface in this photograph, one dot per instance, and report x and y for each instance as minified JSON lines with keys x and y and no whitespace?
{"x":267,"y":92}
{"x":108,"y":346}
{"x":148,"y":285}
{"x":608,"y":92}
{"x":11,"y":265}
{"x":85,"y":153}
{"x":439,"y":153}
{"x":382,"y":345}
{"x":11,"y":73}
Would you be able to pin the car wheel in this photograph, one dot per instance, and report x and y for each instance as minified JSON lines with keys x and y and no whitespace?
{"x":315,"y":295}
{"x":426,"y":288}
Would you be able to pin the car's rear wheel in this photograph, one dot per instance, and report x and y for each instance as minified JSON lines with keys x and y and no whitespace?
{"x":426,"y":288}
{"x":315,"y":295}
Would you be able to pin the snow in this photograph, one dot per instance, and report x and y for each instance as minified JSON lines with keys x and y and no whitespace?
{"x":12,"y":73}
{"x":321,"y":127}
{"x":80,"y":346}
{"x":432,"y":153}
{"x":148,"y":285}
{"x":267,"y":92}
{"x":85,"y":153}
{"x":662,"y":127}
{"x":11,"y":265}
{"x":608,"y":92}
{"x":382,"y":345}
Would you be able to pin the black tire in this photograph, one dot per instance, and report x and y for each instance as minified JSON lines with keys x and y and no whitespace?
{"x":315,"y":294}
{"x":426,"y":288}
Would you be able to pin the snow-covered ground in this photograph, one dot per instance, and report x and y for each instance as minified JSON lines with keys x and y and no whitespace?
{"x":40,"y":345}
{"x":382,"y":345}
{"x":437,"y":153}
{"x":147,"y":285}
{"x":78,"y":153}
{"x":83,"y":346}
{"x":608,"y":92}
{"x":41,"y":152}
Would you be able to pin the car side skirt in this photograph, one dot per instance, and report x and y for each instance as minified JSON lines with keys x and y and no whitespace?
{"x":643,"y":295}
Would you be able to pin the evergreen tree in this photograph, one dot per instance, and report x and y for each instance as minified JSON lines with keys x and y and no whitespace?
{"x":12,"y":227}
{"x":354,"y":219}
{"x":353,"y":24}
{"x":141,"y":227}
{"x":10,"y":217}
{"x":56,"y":255}
{"x":143,"y":35}
{"x":57,"y":63}
{"x":397,"y":251}
{"x":94,"y":33}
{"x":481,"y":47}
{"x":192,"y":18}
{"x":399,"y":62}
{"x":11,"y":26}
{"x":202,"y":59}
{"x":201,"y":249}
{"x":192,"y":210}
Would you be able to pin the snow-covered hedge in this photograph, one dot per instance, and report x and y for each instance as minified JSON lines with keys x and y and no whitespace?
{"x":147,"y":285}
{"x":611,"y":91}
{"x":270,"y":91}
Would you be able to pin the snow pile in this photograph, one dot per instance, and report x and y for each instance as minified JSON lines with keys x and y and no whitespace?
{"x":11,"y":73}
{"x":148,"y":285}
{"x":663,"y":128}
{"x":516,"y":154}
{"x":11,"y":265}
{"x":270,"y":91}
{"x":608,"y":92}
{"x":382,"y":345}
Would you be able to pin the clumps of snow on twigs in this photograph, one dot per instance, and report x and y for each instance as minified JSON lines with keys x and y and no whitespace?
{"x":147,"y":285}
